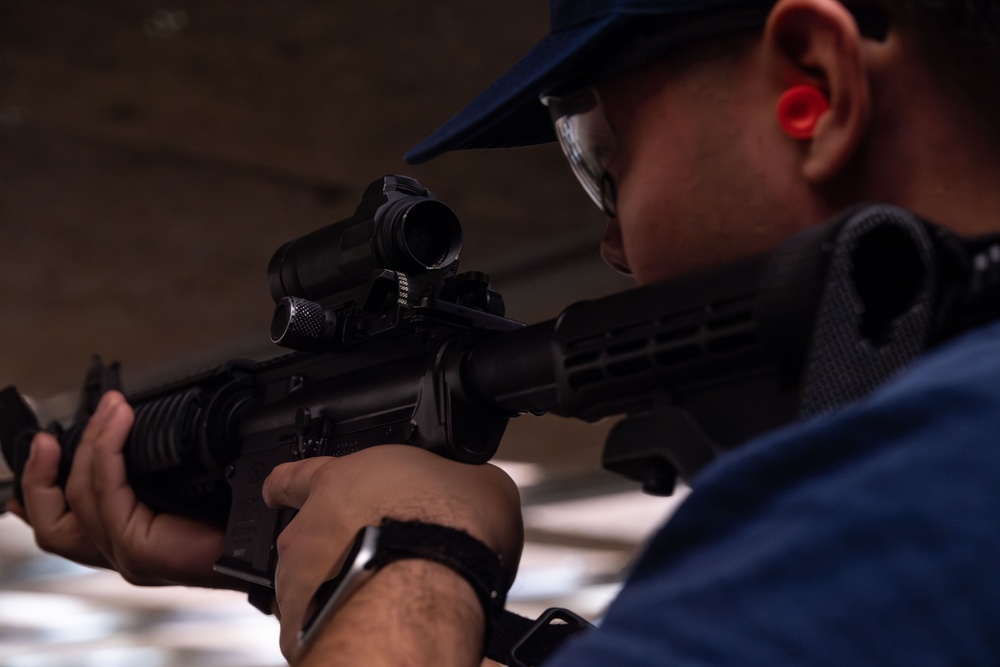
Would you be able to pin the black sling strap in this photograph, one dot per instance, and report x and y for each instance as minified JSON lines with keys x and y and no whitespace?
{"x":518,"y":641}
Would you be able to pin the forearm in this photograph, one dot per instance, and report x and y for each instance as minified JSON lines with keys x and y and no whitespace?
{"x":412,"y":612}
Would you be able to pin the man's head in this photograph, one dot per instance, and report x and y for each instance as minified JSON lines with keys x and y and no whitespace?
{"x":668,"y":107}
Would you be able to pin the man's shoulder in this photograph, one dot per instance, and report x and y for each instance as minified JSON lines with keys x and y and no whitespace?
{"x":955,"y":384}
{"x":950,"y":394}
{"x":927,"y":432}
{"x":799,"y":547}
{"x":970,"y":361}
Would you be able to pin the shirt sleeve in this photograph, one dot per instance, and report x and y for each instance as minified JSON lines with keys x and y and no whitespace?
{"x":866,"y":537}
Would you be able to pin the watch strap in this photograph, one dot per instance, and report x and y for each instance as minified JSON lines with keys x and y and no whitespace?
{"x":456,"y":549}
{"x":376,"y":546}
{"x":333,"y":593}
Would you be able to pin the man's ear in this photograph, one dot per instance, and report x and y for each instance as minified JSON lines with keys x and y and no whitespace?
{"x":817,"y":42}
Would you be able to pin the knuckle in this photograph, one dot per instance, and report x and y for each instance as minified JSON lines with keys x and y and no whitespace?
{"x":45,"y":541}
{"x":132,"y":566}
{"x":135,"y":576}
{"x":79,"y":497}
{"x":326,"y":473}
{"x":75,"y":494}
{"x":271,"y":485}
{"x":55,"y":542}
{"x":279,"y":479}
{"x":286,"y":540}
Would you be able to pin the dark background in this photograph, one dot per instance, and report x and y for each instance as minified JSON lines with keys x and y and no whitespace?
{"x":153,"y":157}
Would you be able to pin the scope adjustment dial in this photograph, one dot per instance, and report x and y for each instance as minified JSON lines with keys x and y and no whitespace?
{"x":299,"y":324}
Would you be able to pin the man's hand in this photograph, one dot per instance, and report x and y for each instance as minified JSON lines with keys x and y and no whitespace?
{"x":411,"y":611}
{"x":97,"y":520}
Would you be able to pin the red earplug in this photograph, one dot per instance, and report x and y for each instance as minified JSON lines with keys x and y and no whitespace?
{"x":799,"y":109}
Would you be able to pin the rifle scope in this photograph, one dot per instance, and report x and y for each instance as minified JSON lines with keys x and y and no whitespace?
{"x":399,"y":226}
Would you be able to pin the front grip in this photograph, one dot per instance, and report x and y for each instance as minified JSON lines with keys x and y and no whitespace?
{"x":18,"y":425}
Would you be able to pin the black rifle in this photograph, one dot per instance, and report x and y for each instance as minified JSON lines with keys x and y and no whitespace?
{"x":395,"y":346}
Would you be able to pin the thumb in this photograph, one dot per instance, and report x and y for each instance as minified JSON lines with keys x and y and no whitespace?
{"x":44,"y":499}
{"x":289,"y":484}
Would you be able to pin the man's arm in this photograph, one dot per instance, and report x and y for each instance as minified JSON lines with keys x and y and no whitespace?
{"x":411,"y":611}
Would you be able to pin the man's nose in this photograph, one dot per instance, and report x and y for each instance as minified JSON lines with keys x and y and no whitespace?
{"x":613,"y":249}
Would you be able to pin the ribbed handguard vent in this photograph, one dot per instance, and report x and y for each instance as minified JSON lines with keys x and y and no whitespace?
{"x":164,"y":432}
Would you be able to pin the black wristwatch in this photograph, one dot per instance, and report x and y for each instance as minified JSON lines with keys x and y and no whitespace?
{"x":377,"y":546}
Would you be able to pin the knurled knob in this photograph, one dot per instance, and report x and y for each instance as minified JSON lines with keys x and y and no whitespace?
{"x":298,"y":324}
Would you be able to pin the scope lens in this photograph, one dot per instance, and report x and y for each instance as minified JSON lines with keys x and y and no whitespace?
{"x":427,"y":233}
{"x":417,"y":236}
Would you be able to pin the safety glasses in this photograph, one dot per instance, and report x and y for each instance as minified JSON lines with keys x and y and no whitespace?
{"x":588,"y":141}
{"x":587,"y":138}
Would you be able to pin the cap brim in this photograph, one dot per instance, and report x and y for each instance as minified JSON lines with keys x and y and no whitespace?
{"x":509,"y":112}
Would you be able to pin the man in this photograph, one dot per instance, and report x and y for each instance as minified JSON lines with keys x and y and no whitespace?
{"x":868,"y":536}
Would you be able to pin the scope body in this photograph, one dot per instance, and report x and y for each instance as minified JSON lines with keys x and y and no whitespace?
{"x":398,"y":226}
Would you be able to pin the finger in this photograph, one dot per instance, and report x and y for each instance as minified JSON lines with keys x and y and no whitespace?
{"x":304,"y":563}
{"x":79,"y":482}
{"x":310,"y":546}
{"x":155,"y":549}
{"x":80,"y":492}
{"x":290,"y":600}
{"x":311,"y":549}
{"x":57,"y":530}
{"x":113,"y":498}
{"x":44,"y":500}
{"x":289,"y":484}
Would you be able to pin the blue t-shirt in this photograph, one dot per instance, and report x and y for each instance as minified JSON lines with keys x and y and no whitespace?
{"x":870,"y":536}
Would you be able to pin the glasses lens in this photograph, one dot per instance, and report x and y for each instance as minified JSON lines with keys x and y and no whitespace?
{"x":588,"y":142}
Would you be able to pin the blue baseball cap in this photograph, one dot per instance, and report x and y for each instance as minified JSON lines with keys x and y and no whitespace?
{"x":584,"y":36}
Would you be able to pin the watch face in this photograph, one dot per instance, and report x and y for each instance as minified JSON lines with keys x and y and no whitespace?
{"x":332,"y":594}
